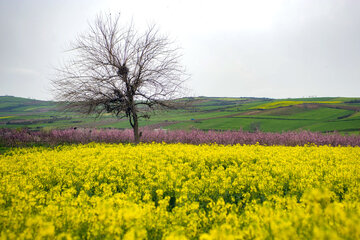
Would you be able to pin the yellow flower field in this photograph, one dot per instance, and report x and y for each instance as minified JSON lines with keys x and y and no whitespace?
{"x":4,"y":117}
{"x":179,"y":191}
{"x":277,"y":104}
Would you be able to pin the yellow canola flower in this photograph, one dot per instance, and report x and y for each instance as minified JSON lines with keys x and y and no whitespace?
{"x":4,"y":117}
{"x":277,"y":104}
{"x":180,"y":191}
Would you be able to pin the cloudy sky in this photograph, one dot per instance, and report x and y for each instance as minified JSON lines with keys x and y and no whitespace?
{"x":243,"y":48}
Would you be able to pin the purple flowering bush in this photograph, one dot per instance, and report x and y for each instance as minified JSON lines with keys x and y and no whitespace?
{"x":13,"y":138}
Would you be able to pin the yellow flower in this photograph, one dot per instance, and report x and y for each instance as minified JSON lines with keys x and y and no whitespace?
{"x":180,"y":191}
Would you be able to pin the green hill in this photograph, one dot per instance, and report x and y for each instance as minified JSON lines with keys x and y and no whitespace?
{"x":17,"y":104}
{"x":250,"y":114}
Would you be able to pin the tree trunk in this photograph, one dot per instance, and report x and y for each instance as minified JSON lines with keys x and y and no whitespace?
{"x":136,"y":130}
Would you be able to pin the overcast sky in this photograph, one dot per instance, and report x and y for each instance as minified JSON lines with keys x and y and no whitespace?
{"x":249,"y":48}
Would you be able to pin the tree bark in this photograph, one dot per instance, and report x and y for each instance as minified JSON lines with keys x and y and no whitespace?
{"x":136,"y":130}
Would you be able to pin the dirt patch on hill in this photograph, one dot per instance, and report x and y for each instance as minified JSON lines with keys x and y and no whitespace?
{"x":251,"y":112}
{"x":337,"y":106}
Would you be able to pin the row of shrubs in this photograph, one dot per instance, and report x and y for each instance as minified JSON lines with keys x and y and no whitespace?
{"x":24,"y":137}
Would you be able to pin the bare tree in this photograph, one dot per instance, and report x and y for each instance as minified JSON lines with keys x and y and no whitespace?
{"x":117,"y":70}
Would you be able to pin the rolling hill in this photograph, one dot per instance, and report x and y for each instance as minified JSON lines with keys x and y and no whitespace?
{"x":249,"y":114}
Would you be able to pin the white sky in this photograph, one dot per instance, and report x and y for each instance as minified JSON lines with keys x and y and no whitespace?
{"x":244,"y":48}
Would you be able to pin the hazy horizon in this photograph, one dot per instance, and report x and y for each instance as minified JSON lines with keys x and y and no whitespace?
{"x":273,"y":98}
{"x":273,"y":49}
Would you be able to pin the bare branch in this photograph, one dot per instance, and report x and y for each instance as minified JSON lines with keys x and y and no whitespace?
{"x":117,"y":70}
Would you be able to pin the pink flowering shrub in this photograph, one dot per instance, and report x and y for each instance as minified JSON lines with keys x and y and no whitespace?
{"x":11,"y":137}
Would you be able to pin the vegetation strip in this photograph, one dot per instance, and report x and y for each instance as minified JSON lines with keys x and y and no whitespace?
{"x":14,"y":138}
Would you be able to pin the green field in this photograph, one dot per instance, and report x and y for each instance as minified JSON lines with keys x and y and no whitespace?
{"x":249,"y":114}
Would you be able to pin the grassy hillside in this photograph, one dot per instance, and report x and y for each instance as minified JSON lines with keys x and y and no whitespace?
{"x":250,"y":114}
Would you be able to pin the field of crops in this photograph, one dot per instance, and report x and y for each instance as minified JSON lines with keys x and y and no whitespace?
{"x":180,"y":191}
{"x":205,"y":113}
{"x":277,"y":104}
